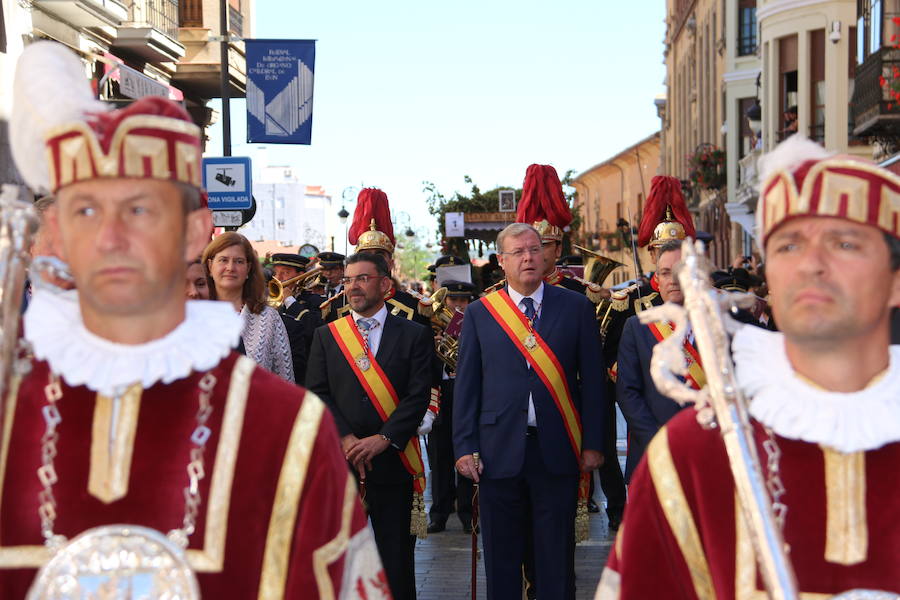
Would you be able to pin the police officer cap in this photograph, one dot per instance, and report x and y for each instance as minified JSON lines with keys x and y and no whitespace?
{"x":289,"y":260}
{"x":738,"y":280}
{"x":449,"y":260}
{"x":329,"y":260}
{"x":459,"y":289}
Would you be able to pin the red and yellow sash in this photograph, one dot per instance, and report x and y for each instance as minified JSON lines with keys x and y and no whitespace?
{"x":379,"y":389}
{"x":695,"y":376}
{"x":541,"y":358}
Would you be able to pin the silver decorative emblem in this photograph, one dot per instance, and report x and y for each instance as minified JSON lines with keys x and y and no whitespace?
{"x":363,"y":362}
{"x":117,"y":562}
{"x":530,"y":341}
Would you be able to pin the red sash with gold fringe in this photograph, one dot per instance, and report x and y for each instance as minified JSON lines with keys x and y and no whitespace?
{"x":695,"y":375}
{"x":379,"y":389}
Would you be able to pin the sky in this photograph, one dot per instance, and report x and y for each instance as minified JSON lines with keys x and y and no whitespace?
{"x":413,"y":91}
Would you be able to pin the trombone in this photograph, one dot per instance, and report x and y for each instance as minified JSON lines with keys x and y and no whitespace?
{"x":276,"y":288}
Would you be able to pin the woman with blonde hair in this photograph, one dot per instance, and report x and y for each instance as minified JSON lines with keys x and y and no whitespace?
{"x":236,"y":276}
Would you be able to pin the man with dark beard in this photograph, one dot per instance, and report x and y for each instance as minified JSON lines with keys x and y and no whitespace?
{"x":373,"y":369}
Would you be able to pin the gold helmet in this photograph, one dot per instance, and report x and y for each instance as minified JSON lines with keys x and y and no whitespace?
{"x":372,"y":228}
{"x":548,"y":232}
{"x":666,"y":216}
{"x":668,"y":229}
{"x":374,"y":240}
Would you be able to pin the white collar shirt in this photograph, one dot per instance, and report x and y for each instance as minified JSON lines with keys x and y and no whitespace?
{"x":375,"y":332}
{"x":538,"y":298}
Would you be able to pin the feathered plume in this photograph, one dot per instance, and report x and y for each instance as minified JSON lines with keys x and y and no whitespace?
{"x":542,"y":198}
{"x":788,"y":155}
{"x":50,"y":89}
{"x":664,"y":191}
{"x":372,"y":203}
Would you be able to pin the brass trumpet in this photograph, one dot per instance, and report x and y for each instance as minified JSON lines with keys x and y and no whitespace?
{"x":276,"y":288}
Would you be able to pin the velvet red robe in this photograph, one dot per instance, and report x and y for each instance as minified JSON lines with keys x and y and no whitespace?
{"x":680,"y":538}
{"x":280,"y":515}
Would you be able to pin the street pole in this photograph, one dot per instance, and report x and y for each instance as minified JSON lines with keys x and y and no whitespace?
{"x":223,"y":57}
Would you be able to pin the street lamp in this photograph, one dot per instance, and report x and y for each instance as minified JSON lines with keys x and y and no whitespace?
{"x":342,"y":215}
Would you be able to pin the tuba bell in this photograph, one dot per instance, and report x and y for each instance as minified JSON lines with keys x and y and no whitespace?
{"x":446,"y":324}
{"x":276,"y":288}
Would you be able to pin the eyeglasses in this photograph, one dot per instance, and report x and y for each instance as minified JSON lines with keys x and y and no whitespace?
{"x":360,"y":279}
{"x":237,"y":261}
{"x":521,"y":252}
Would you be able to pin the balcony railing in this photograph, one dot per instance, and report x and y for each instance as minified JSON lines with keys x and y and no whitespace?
{"x":874,"y":111}
{"x":161,"y":15}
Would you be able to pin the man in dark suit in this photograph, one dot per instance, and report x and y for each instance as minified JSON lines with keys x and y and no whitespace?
{"x":530,"y":450}
{"x":644,"y":408}
{"x":376,"y":440}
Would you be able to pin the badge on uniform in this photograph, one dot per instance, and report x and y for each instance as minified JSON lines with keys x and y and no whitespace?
{"x":363,"y":362}
{"x":530,"y":341}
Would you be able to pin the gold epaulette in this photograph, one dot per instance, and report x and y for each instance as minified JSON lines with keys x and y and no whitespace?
{"x":619,"y":301}
{"x":644,"y":302}
{"x":494,"y":287}
{"x":325,"y":307}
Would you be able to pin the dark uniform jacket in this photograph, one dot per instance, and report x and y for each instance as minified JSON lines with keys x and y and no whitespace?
{"x":404,"y":354}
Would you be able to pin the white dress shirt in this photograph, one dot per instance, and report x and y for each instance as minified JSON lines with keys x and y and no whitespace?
{"x":537,"y":296}
{"x":375,"y":332}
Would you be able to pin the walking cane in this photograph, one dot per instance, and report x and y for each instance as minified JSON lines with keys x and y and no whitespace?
{"x":475,"y":456}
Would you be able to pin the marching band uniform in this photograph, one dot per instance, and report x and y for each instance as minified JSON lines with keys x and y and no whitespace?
{"x":835,"y":454}
{"x":122,"y":416}
{"x":447,"y":486}
{"x":300,"y":313}
{"x":330,"y":260}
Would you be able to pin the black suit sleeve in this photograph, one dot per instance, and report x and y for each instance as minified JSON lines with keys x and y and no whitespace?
{"x":630,"y":385}
{"x":413,"y":401}
{"x":317,"y":378}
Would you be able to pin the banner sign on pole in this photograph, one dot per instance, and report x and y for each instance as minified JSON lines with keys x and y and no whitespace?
{"x":280,"y":91}
{"x":454,"y":225}
{"x":228,"y":182}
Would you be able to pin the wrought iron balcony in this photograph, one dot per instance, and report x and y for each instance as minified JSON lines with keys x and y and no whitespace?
{"x":876,"y":113}
{"x":151,"y":31}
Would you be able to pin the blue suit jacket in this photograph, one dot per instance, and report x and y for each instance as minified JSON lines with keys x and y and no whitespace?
{"x":490,"y":402}
{"x":644,"y":408}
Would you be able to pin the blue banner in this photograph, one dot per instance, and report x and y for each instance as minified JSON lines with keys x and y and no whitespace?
{"x":280,"y":91}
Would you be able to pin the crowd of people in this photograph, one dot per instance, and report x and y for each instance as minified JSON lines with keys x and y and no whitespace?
{"x":182,"y":415}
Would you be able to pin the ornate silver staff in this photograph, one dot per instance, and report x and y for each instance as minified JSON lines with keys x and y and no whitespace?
{"x":721,"y":404}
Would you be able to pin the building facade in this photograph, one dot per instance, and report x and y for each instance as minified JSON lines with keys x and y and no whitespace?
{"x":130,"y":49}
{"x":610,"y":199}
{"x":290,"y":213}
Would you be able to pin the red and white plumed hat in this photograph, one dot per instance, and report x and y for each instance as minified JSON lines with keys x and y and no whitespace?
{"x":543,"y":204}
{"x":62,"y":135}
{"x":372,"y":228}
{"x":801,"y":179}
{"x":666,"y":216}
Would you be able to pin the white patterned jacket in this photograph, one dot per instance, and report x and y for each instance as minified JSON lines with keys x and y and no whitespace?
{"x":266,"y":341}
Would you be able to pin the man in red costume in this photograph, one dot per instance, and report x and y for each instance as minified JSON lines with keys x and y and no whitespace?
{"x":135,"y":409}
{"x":823,"y":400}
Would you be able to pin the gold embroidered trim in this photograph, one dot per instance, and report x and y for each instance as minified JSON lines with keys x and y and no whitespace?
{"x":399,"y":307}
{"x":678,"y":512}
{"x":745,"y":564}
{"x":282,"y":522}
{"x":334,"y":549}
{"x":212,"y":557}
{"x":109,"y":473}
{"x":847,"y":534}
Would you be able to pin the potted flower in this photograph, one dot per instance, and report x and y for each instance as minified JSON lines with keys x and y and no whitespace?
{"x":707,"y":167}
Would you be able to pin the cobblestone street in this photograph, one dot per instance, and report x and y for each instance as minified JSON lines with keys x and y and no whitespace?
{"x":444,"y":560}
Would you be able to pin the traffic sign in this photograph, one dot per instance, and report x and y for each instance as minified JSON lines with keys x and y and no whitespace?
{"x":228,"y":182}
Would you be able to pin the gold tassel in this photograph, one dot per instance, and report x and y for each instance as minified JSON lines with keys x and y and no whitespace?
{"x":594,"y":293}
{"x":582,"y":521}
{"x":418,"y":526}
{"x":426,"y":309}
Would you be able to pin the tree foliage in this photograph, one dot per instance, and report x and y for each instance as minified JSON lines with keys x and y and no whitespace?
{"x":477,"y":201}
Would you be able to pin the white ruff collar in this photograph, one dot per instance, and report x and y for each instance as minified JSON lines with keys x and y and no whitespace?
{"x":54,"y":327}
{"x":795,"y":409}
